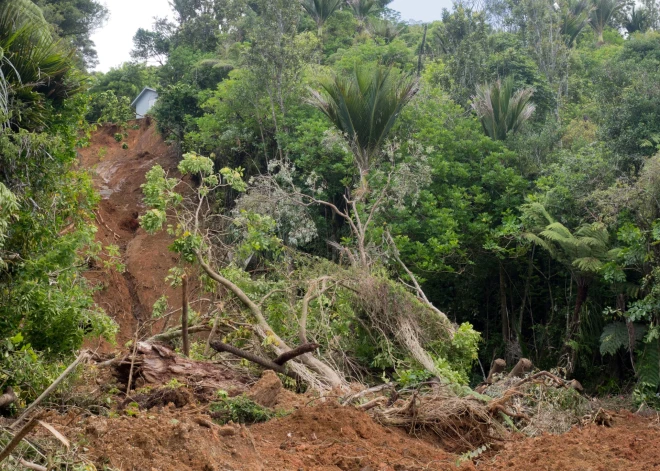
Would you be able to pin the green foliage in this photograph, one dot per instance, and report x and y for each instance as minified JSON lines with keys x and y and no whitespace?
{"x":501,"y":109}
{"x":240,"y":410}
{"x":106,"y":108}
{"x":364,"y":106}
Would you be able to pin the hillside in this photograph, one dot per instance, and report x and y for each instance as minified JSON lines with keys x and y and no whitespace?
{"x":168,"y":428}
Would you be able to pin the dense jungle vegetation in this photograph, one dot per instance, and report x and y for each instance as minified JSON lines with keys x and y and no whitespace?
{"x":419,"y":199}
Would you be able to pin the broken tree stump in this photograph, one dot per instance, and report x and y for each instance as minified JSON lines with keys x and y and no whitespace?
{"x":523,"y":366}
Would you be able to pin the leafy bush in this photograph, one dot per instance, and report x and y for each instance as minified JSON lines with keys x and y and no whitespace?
{"x":240,"y":410}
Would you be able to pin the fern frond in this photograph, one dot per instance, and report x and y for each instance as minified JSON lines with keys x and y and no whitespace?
{"x":648,"y":366}
{"x":589,"y":264}
{"x":613,"y":338}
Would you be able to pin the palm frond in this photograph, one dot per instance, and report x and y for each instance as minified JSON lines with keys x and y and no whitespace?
{"x":501,"y":109}
{"x":588,"y":264}
{"x":364,"y":106}
{"x":320,"y":10}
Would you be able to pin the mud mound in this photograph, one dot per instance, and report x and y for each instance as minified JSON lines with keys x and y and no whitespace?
{"x":171,"y":440}
{"x":332,"y":437}
{"x":632,"y":443}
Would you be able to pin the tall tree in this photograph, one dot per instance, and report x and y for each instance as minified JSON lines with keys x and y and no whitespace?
{"x":638,"y":20}
{"x":364,"y":8}
{"x":75,"y":21}
{"x":583,"y":252}
{"x":320,"y":11}
{"x":601,"y":15}
{"x":501,"y":109}
{"x":575,"y":17}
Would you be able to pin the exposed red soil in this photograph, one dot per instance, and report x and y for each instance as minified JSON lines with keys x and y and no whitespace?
{"x":118,"y":174}
{"x":632,"y":443}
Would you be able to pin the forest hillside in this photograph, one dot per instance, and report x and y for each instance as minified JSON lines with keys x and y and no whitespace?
{"x":442,"y":234}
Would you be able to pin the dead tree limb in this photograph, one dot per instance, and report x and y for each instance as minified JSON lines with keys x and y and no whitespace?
{"x":313,"y":292}
{"x":80,"y":359}
{"x":354,"y":397}
{"x":214,"y":329}
{"x":20,"y":435}
{"x":9,"y":397}
{"x":184,"y":316}
{"x":296,"y":352}
{"x":266,"y":363}
{"x":34,"y":466}
{"x":420,"y":292}
{"x":379,"y":401}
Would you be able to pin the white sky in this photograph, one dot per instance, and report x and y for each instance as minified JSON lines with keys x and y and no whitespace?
{"x":114,"y":40}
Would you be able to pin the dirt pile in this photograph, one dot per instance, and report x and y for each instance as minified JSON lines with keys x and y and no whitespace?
{"x":324,"y":436}
{"x":632,"y":443}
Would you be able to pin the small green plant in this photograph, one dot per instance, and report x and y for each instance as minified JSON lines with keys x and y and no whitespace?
{"x":239,"y":409}
{"x":174,"y":384}
{"x":119,"y":137}
{"x":471,"y":455}
{"x":124,"y":146}
{"x":102,"y":152}
{"x":133,"y":409}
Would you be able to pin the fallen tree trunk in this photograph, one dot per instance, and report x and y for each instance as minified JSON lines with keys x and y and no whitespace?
{"x":296,"y":352}
{"x":157,"y":364}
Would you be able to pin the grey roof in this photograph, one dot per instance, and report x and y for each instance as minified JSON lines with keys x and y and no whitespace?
{"x":142,"y":93}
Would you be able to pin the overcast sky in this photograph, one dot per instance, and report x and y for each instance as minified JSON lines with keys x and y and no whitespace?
{"x":114,"y":39}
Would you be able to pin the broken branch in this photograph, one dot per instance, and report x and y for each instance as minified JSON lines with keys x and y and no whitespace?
{"x":296,"y":352}
{"x":223,"y":347}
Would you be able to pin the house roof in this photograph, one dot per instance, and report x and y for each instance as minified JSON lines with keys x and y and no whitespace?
{"x":142,"y":93}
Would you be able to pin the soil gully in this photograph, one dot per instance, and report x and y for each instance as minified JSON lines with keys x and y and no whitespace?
{"x":136,"y":307}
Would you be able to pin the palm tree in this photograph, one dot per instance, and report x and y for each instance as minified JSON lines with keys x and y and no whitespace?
{"x":320,"y":11}
{"x":363,"y":8}
{"x":364,"y":106}
{"x":500,"y":109}
{"x":601,"y":14}
{"x":637,"y":20}
{"x":33,"y":65}
{"x":384,"y":29}
{"x":575,"y":18}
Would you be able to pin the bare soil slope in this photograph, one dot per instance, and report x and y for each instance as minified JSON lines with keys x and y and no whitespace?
{"x":118,"y":174}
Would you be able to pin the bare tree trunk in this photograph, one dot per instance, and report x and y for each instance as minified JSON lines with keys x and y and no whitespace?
{"x":504,"y":313}
{"x":574,"y":324}
{"x":184,"y":316}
